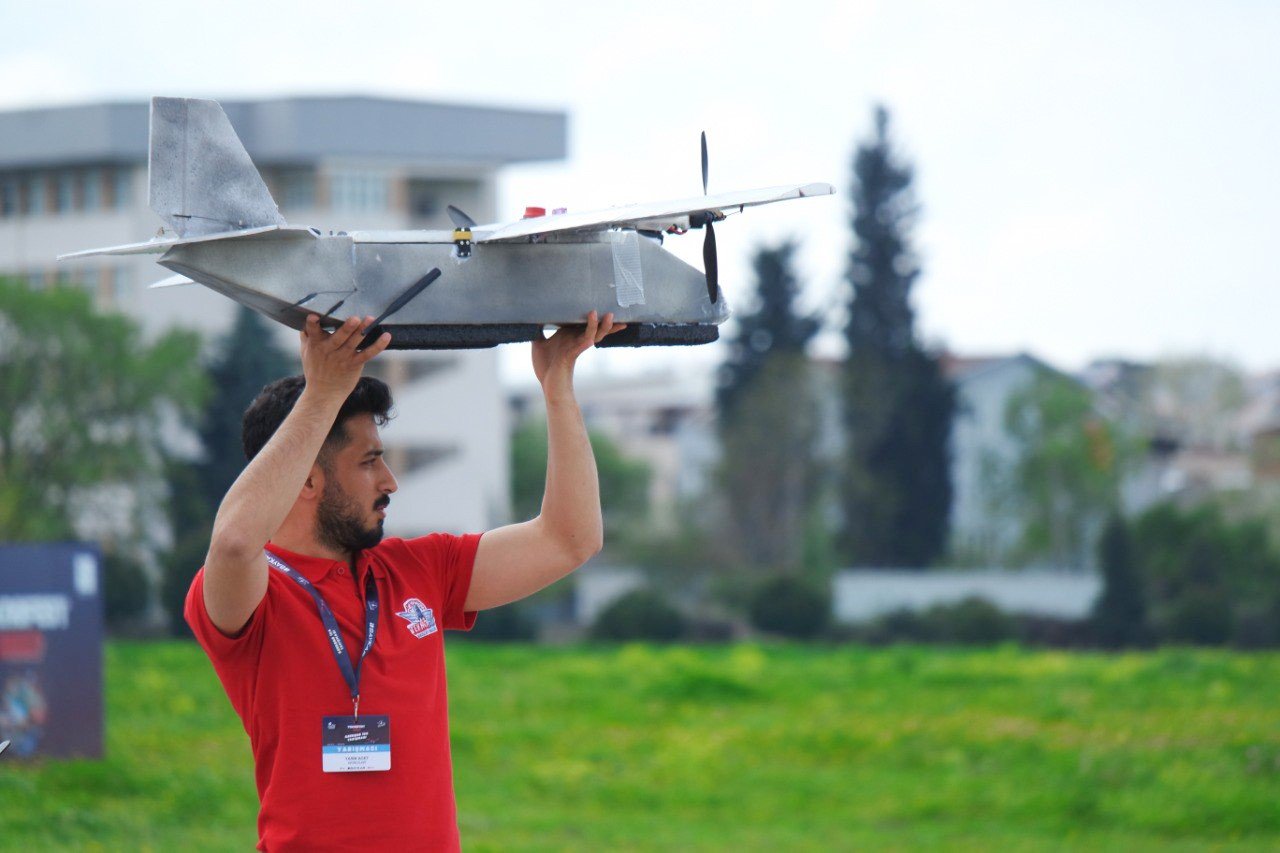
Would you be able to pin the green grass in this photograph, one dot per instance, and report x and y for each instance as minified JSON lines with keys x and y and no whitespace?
{"x":737,"y":747}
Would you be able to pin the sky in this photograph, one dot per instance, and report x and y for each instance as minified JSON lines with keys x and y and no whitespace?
{"x":1096,"y":179}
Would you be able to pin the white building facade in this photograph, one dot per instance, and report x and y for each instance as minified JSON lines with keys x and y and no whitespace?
{"x":76,"y":177}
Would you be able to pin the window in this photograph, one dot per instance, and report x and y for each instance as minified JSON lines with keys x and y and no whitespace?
{"x":9,"y":195}
{"x":66,"y":191}
{"x":417,"y":459}
{"x":93,"y":189}
{"x":121,"y":186}
{"x":424,"y":201}
{"x":297,"y":189}
{"x":358,"y":190}
{"x":35,"y":194}
{"x":122,"y":279}
{"x":421,"y":368}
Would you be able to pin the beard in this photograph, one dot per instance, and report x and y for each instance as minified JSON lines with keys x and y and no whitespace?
{"x":339,"y":521}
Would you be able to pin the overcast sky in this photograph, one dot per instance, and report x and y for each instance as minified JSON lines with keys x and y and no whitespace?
{"x":1097,"y":178}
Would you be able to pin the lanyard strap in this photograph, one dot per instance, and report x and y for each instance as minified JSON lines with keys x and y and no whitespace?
{"x":350,"y":674}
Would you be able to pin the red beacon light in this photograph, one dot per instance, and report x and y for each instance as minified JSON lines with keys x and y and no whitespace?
{"x":531,"y":212}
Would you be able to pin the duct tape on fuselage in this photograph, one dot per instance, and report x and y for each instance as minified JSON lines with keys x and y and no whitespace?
{"x":628,"y":281}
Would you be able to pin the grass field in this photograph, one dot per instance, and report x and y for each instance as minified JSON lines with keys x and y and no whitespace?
{"x":734,"y":748}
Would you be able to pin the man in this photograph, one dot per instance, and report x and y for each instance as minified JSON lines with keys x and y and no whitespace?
{"x":327,"y":638}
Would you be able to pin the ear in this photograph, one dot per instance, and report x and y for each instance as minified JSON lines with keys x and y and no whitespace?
{"x":313,"y":488}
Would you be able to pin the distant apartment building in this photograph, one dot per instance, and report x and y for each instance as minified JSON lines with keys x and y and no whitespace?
{"x":75,"y":177}
{"x":665,"y":418}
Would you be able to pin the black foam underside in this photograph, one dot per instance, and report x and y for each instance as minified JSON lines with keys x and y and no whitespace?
{"x":422,"y":336}
{"x":461,"y":336}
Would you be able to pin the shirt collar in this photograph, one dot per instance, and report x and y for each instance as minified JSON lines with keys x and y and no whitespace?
{"x":315,"y":568}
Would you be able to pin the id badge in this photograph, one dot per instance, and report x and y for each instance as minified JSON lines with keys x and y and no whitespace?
{"x":356,"y":744}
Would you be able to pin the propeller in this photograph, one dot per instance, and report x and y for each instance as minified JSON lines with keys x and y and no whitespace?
{"x":461,"y":220}
{"x":710,"y":261}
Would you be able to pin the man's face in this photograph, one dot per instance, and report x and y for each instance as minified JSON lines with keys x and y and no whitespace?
{"x":357,"y":489}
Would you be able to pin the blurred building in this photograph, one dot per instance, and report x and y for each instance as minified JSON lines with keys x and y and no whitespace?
{"x":76,"y":177}
{"x":983,"y":452}
{"x":666,"y":419}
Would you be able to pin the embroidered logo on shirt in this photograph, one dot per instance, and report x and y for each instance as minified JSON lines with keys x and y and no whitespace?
{"x":420,"y":618}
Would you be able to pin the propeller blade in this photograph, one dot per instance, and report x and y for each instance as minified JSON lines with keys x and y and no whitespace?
{"x":711,"y":263}
{"x":704,"y":162}
{"x":375,"y":329}
{"x":460,"y":219}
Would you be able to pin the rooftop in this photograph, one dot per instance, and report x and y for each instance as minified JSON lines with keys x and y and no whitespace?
{"x":295,"y":130}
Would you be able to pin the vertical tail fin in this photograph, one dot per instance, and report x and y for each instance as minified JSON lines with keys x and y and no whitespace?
{"x":202,"y":180}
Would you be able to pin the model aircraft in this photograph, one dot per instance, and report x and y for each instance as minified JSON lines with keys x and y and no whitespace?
{"x":472,"y":286}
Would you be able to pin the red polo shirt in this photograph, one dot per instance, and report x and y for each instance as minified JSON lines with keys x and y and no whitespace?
{"x":281,"y":678}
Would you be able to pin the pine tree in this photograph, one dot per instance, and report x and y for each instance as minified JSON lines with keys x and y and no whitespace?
{"x":767,"y":421}
{"x":1119,"y":614}
{"x":773,"y":327}
{"x":246,"y":359}
{"x":897,"y":405}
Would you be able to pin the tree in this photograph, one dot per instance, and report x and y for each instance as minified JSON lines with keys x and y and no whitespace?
{"x":768,"y":422}
{"x":1065,"y":481}
{"x":248,"y":358}
{"x":1208,"y":579}
{"x":624,"y":481}
{"x":773,"y":327}
{"x":83,"y":404}
{"x":897,"y":405}
{"x":245,"y":360}
{"x":1120,"y":613}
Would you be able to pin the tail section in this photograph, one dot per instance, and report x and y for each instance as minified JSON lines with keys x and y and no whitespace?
{"x":202,"y":180}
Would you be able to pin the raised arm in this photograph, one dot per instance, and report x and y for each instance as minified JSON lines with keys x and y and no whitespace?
{"x":520,"y":559}
{"x":235,"y":570}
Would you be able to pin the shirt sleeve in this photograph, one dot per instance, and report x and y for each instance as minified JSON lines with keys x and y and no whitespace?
{"x":231,"y":656}
{"x":450,"y":560}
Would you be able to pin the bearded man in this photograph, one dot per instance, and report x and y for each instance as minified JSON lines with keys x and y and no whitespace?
{"x":328,"y":637}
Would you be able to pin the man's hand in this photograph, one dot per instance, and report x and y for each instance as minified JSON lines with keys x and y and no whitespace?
{"x":554,"y":357}
{"x":330,"y":362}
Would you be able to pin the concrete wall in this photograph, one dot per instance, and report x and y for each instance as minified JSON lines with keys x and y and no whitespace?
{"x":861,"y":595}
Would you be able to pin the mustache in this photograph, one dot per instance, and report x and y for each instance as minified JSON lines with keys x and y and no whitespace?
{"x":382,"y":502}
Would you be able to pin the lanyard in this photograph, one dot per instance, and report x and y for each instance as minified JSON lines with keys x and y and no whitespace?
{"x":350,"y":674}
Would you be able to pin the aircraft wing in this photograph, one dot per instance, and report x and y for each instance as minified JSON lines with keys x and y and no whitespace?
{"x":160,"y":244}
{"x":656,"y":215}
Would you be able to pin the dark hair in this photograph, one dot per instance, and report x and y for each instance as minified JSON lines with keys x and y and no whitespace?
{"x":276,"y":400}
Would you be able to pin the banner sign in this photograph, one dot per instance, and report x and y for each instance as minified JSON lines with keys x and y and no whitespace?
{"x":51,"y":651}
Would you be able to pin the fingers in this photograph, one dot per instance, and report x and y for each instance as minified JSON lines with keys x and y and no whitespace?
{"x":347,"y":332}
{"x":608,"y":327}
{"x":589,"y":336}
{"x":311,"y":329}
{"x":383,"y":341}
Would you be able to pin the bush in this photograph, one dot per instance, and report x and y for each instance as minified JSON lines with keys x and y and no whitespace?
{"x":509,"y":623}
{"x":125,"y":589}
{"x":1057,"y":633}
{"x":1257,"y":625}
{"x":641,"y":614}
{"x":973,"y":620}
{"x":1202,"y":617}
{"x":790,"y":607}
{"x":898,"y":626}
